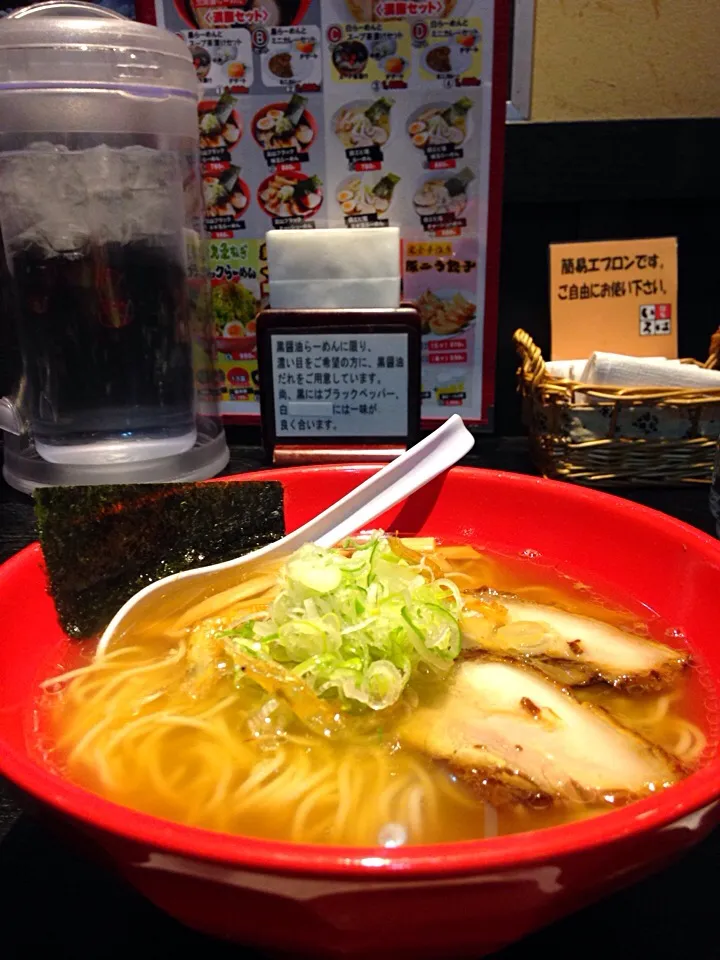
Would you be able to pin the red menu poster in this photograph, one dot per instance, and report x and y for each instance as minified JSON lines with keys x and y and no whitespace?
{"x":354,"y":113}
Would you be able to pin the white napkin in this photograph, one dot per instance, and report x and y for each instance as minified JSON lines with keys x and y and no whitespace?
{"x":316,"y":294}
{"x":566,"y":369}
{"x":333,"y":254}
{"x":334,"y":268}
{"x":621,"y":371}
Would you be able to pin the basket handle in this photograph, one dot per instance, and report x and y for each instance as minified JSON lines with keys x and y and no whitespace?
{"x":530,"y":355}
{"x":712,"y":362}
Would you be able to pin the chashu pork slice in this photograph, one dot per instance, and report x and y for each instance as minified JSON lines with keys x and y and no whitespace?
{"x":582,"y":649}
{"x":516,"y":736}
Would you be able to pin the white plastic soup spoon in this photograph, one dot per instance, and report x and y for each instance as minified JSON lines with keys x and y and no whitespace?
{"x":175,"y":594}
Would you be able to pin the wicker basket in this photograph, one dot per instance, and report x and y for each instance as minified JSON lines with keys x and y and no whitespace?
{"x":618,"y":436}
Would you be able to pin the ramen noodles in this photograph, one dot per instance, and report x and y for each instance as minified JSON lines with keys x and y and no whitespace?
{"x":383,"y":692}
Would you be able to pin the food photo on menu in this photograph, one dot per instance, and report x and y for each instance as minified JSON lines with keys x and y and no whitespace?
{"x":292,"y":64}
{"x":220,"y":126}
{"x":444,"y":292}
{"x":440,"y":129}
{"x":226,"y":198}
{"x":364,"y":123}
{"x":366,"y":200}
{"x":286,"y":126}
{"x":291,"y":195}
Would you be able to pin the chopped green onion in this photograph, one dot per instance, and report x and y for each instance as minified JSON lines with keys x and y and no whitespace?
{"x":356,"y":627}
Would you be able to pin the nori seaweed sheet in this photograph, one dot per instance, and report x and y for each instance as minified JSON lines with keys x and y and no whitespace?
{"x":104,"y":543}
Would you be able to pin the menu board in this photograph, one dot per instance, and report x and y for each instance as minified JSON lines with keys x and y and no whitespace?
{"x":353,"y":113}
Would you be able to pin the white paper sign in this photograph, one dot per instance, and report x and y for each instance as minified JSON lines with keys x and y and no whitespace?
{"x":340,"y":385}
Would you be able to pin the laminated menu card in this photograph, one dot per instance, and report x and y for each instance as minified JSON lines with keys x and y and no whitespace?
{"x":354,"y":113}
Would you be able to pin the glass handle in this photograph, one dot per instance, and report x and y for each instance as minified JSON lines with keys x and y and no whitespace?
{"x":10,"y":420}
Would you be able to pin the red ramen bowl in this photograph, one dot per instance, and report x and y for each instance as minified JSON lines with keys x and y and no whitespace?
{"x":447,"y":900}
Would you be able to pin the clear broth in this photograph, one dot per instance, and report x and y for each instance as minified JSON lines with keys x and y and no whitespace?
{"x":209,"y":770}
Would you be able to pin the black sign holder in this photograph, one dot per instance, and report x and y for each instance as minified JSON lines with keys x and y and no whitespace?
{"x":330,"y":447}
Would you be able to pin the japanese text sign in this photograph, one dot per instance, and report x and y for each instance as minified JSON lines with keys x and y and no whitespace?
{"x":614,"y":295}
{"x":330,"y":377}
{"x":342,"y":385}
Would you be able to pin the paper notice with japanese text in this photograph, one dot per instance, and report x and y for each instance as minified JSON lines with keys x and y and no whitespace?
{"x":344,"y":385}
{"x":619,"y":296}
